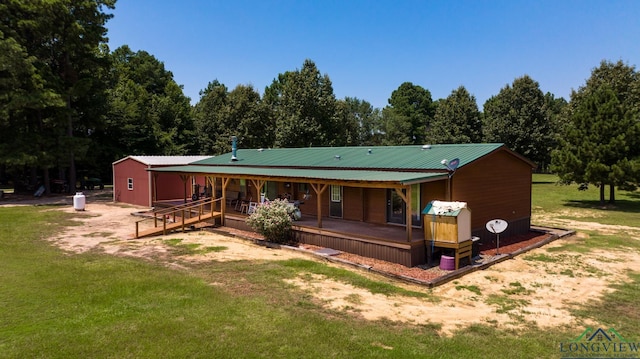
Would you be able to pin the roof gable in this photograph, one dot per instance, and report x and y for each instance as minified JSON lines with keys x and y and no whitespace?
{"x":164,"y":160}
{"x":399,"y":158}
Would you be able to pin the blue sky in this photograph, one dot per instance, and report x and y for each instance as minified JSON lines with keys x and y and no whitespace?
{"x":369,"y":48}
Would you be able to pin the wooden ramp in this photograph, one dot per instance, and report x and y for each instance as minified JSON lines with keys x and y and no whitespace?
{"x":178,"y":218}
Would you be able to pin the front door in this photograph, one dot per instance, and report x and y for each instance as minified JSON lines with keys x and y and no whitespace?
{"x":335,"y":207}
{"x":395,"y":208}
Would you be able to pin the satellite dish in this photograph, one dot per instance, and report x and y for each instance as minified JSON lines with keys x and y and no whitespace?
{"x":453,"y":164}
{"x":497,"y":226}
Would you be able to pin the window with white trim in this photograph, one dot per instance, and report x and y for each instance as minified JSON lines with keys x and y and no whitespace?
{"x":336,"y":193}
{"x":130,"y":184}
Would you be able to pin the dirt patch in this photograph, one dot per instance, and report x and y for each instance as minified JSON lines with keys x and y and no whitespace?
{"x":539,"y":287}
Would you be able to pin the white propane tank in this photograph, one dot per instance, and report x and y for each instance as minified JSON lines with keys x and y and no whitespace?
{"x":79,"y":201}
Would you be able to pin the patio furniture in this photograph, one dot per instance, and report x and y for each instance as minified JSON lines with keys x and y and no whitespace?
{"x":252,"y":207}
{"x":243,"y":205}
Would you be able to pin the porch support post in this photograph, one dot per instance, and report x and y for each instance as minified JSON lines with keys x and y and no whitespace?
{"x":407,"y":209}
{"x":319,"y":189}
{"x":154,"y":188}
{"x":184,"y":179}
{"x":258,"y":184}
{"x":223,"y":200}
{"x":214,"y":192}
{"x":210,"y":180}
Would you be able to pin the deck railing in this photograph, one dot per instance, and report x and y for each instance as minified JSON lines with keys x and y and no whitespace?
{"x":180,"y":213}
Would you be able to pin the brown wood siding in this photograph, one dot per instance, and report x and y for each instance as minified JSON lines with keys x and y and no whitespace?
{"x":497,"y":186}
{"x":410,"y":254}
{"x":433,"y":191}
{"x":237,"y":223}
{"x":375,"y":204}
{"x":309,"y":206}
{"x":352,"y":208}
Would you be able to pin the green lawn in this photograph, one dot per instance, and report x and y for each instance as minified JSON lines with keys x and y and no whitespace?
{"x":566,"y":201}
{"x":92,"y":305}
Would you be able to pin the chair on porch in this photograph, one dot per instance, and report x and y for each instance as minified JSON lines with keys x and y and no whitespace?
{"x":252,"y":207}
{"x":243,"y":204}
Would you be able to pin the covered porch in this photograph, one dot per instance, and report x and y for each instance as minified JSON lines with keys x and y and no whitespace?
{"x":384,"y":242}
{"x":361,"y":227}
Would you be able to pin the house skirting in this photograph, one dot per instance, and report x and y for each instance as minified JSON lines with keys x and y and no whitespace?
{"x":409,"y":254}
{"x":406,"y":253}
{"x":357,"y":238}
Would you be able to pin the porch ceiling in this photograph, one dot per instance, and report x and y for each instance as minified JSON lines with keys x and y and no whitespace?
{"x":359,"y":177}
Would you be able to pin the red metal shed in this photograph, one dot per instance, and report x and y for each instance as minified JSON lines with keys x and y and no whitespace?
{"x":132,"y":182}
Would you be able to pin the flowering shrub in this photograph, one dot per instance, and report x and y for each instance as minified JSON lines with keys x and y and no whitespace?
{"x":272,"y":220}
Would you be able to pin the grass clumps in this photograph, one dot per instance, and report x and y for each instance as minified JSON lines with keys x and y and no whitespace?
{"x":184,"y":249}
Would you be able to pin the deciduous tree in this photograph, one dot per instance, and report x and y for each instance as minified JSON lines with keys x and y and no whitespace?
{"x":359,"y":123}
{"x":518,"y":117}
{"x":148,"y":111}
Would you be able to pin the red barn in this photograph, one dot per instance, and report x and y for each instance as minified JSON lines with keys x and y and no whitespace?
{"x":133,"y":182}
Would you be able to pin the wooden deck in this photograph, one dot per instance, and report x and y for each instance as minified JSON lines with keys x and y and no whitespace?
{"x":178,"y":217}
{"x":387,"y":233}
{"x":385,"y":242}
{"x":181,"y":223}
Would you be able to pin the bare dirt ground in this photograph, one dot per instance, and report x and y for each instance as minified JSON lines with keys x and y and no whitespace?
{"x":538,"y":287}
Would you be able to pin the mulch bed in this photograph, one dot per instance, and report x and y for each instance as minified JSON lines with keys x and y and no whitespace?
{"x":422,"y":272}
{"x":511,"y":244}
{"x":425,"y":273}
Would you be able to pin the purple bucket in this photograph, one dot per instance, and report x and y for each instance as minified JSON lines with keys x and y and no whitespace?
{"x":447,"y":263}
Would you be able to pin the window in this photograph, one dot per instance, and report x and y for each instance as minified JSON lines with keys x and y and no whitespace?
{"x":130,"y":184}
{"x":336,"y":193}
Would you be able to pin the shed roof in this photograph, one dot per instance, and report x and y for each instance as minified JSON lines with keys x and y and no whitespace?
{"x":404,"y":158}
{"x":164,"y":160}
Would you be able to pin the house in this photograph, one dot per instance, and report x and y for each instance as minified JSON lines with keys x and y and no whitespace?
{"x":369,"y":200}
{"x":134,"y":184}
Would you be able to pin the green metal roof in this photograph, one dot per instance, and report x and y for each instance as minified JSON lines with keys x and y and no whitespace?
{"x":405,"y":158}
{"x":397,"y":164}
{"x":338,"y":175}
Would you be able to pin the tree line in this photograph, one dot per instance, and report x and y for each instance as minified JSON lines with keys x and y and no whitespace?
{"x":70,"y":107}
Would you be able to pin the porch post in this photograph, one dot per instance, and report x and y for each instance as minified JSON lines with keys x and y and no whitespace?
{"x":154,"y":188}
{"x":184,"y":182}
{"x":408,"y":213}
{"x":319,"y":189}
{"x":407,"y":209}
{"x":210,"y":180}
{"x":214,"y":191}
{"x":223,"y":200}
{"x":258,"y":184}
